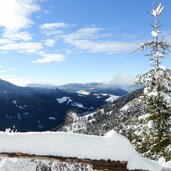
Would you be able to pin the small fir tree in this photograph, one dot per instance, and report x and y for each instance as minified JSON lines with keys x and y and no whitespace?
{"x":155,"y":128}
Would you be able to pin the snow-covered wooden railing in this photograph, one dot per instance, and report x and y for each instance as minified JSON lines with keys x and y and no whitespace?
{"x":95,"y":164}
{"x":110,"y":152}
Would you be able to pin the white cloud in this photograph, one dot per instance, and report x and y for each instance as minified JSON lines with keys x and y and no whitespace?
{"x":21,"y":81}
{"x":53,"y":32}
{"x":84,"y":34}
{"x":122,"y":79}
{"x":15,"y":14}
{"x":12,"y":69}
{"x":5,"y":41}
{"x":46,"y":11}
{"x":52,"y":26}
{"x":89,"y":39}
{"x":49,"y":57}
{"x":49,"y":42}
{"x":107,"y":47}
{"x":53,"y":29}
{"x":24,"y":81}
{"x":2,"y":69}
{"x":15,"y":18}
{"x":24,"y":47}
{"x":24,"y":35}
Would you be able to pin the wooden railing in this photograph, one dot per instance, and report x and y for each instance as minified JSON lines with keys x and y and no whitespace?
{"x":99,"y":165}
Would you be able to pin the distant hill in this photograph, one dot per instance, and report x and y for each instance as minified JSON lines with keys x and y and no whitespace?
{"x":43,"y":108}
{"x":89,"y":87}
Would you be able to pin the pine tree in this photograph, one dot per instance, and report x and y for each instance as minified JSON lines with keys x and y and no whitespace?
{"x":155,"y":127}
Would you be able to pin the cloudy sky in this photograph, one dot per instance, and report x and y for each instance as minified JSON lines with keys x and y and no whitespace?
{"x":64,"y":41}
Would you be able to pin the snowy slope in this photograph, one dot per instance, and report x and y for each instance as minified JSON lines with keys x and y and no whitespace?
{"x":64,"y":99}
{"x":112,"y":98}
{"x":83,"y":92}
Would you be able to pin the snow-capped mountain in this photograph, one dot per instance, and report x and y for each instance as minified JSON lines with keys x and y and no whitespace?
{"x":39,"y":109}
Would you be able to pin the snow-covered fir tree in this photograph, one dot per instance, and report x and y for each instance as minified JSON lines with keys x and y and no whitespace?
{"x":154,"y":130}
{"x":73,"y":123}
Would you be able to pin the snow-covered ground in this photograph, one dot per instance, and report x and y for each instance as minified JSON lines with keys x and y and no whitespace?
{"x":77,"y":104}
{"x":52,"y":118}
{"x":83,"y":92}
{"x":112,"y":146}
{"x":112,"y":98}
{"x":64,"y":99}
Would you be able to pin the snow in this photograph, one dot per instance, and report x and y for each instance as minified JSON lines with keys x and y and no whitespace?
{"x":83,"y":92}
{"x":157,"y":10}
{"x":61,"y":166}
{"x":64,"y":99}
{"x":20,"y":107}
{"x":113,"y":146}
{"x":162,"y":75}
{"x":40,"y":126}
{"x":166,"y":165}
{"x":51,"y":118}
{"x":104,"y":94}
{"x":14,"y":102}
{"x":19,"y":116}
{"x":8,"y":164}
{"x":125,"y":108}
{"x":111,"y":98}
{"x":154,"y":33}
{"x":25,"y":113}
{"x":100,"y":95}
{"x":162,"y":67}
{"x":88,"y":115}
{"x":76,"y":104}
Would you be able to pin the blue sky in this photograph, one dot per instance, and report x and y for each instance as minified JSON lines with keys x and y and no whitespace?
{"x":64,"y":41}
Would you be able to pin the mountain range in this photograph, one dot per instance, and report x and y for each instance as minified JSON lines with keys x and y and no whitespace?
{"x":41,"y":108}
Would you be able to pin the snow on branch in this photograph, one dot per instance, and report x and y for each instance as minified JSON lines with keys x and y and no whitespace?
{"x":157,"y":10}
